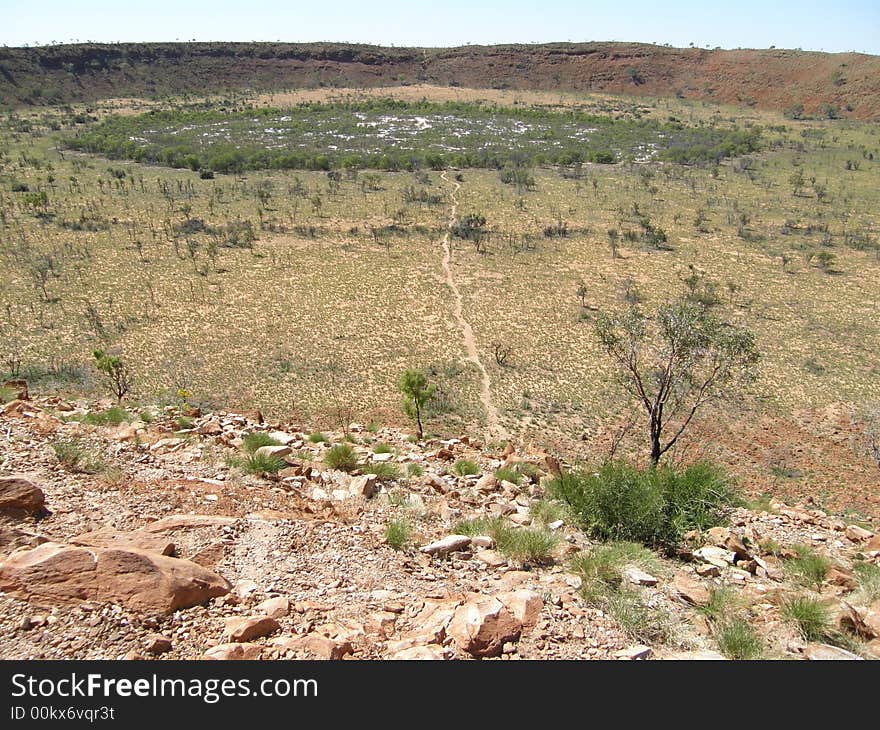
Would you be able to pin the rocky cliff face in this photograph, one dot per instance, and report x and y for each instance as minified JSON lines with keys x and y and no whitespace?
{"x":770,"y":79}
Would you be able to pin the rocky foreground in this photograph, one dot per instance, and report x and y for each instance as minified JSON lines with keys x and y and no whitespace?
{"x":146,"y":539}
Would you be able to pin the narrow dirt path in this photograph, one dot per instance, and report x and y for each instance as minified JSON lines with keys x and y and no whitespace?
{"x":493,"y":422}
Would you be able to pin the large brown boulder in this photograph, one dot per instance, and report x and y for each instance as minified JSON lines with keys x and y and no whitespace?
{"x":482,"y":626}
{"x":20,"y":496}
{"x":107,"y":537}
{"x":137,"y":579}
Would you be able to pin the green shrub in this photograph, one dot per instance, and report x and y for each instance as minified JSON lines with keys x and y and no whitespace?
{"x":639,"y":621}
{"x":382,"y":448}
{"x":383,"y":470}
{"x":723,"y":602}
{"x":738,"y":640}
{"x":256,"y":440}
{"x":808,"y":568}
{"x":601,"y":568}
{"x":414,"y":470}
{"x":812,"y":617}
{"x":465,"y":467}
{"x":75,"y":458}
{"x":398,"y":533}
{"x":868,"y":579}
{"x":546,"y":511}
{"x":528,"y":545}
{"x":111,"y":417}
{"x":656,"y":506}
{"x":317,"y":438}
{"x":507,"y":474}
{"x":262,"y":464}
{"x":342,"y":457}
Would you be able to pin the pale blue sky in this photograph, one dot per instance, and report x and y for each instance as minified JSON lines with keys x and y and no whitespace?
{"x":843,"y":25}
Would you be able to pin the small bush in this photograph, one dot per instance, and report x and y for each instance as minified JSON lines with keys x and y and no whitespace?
{"x":383,"y":470}
{"x":639,"y":621}
{"x":382,"y":448}
{"x":808,"y":568}
{"x":738,"y":640}
{"x":256,"y":440}
{"x":465,"y":467}
{"x":723,"y":602}
{"x":414,"y":470}
{"x":812,"y":617}
{"x":528,"y":545}
{"x":507,"y":474}
{"x":342,"y":457}
{"x":398,"y":533}
{"x":546,"y":511}
{"x":262,"y":464}
{"x":868,"y":579}
{"x":657,"y":506}
{"x":75,"y":458}
{"x":601,"y":568}
{"x":317,"y":438}
{"x":111,"y":417}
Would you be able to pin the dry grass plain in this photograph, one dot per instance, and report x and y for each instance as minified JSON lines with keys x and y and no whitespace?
{"x":335,"y":299}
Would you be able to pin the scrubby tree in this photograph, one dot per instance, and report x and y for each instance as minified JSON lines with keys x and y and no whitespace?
{"x":417,"y":394}
{"x":676,"y":361}
{"x":115,"y":371}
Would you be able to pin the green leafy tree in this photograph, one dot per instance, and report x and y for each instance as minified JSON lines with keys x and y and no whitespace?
{"x":676,"y":361}
{"x":417,"y":394}
{"x":115,"y":371}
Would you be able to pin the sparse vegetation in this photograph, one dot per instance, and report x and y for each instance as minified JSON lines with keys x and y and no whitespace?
{"x":342,"y":457}
{"x":809,"y":615}
{"x":398,"y":533}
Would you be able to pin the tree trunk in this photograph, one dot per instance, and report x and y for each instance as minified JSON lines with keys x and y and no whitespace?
{"x":655,"y":447}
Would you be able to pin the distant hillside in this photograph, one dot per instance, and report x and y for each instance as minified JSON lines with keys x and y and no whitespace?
{"x":769,"y":79}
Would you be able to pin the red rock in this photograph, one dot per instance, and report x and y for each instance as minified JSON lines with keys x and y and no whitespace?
{"x":316,"y":645}
{"x":107,"y":537}
{"x":20,"y":496}
{"x":244,"y":628}
{"x":140,"y":581}
{"x":690,"y":590}
{"x":482,"y":626}
{"x":158,"y":644}
{"x":525,"y":605}
{"x":274,"y":607}
{"x":431,"y":652}
{"x":233,"y":652}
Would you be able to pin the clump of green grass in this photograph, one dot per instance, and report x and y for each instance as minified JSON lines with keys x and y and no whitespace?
{"x":601,"y":568}
{"x":525,"y":545}
{"x":382,"y":448}
{"x":640,"y":621}
{"x":414,"y":470}
{"x":738,"y":640}
{"x":183,"y":423}
{"x":811,"y":617}
{"x":655,"y":506}
{"x":809,"y":568}
{"x":317,"y":438}
{"x":507,"y":474}
{"x":868,"y":578}
{"x":111,"y":417}
{"x":146,"y":416}
{"x":723,"y":603}
{"x":385,"y":471}
{"x":545,"y":511}
{"x":342,"y":457}
{"x":74,"y":458}
{"x":259,"y":464}
{"x":398,"y":533}
{"x":7,"y":394}
{"x":258,"y":439}
{"x":465,"y":467}
{"x":528,"y":545}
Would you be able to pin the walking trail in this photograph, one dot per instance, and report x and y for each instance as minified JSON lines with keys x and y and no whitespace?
{"x":493,"y":422}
